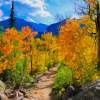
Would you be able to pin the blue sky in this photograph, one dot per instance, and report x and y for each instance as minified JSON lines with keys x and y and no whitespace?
{"x":39,"y":11}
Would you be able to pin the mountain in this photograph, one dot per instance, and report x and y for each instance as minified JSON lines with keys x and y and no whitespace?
{"x":19,"y":23}
{"x":4,"y":24}
{"x":54,"y":28}
{"x":40,"y":28}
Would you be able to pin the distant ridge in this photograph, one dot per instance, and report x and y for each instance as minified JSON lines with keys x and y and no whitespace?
{"x":54,"y":28}
{"x":40,"y":28}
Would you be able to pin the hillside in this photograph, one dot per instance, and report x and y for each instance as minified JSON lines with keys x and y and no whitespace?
{"x":40,"y":28}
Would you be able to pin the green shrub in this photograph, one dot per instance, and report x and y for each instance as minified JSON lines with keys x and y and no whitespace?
{"x":63,"y":78}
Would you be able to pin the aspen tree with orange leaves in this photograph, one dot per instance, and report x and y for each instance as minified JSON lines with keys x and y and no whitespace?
{"x":78,"y":47}
{"x":94,"y":14}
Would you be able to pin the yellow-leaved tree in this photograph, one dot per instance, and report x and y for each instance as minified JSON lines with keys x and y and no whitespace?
{"x":78,"y":48}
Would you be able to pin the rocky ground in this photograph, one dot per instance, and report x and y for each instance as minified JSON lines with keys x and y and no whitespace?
{"x":43,"y":87}
{"x":90,"y":92}
{"x":41,"y":90}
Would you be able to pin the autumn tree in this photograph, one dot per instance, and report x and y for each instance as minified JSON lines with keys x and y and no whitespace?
{"x":93,"y":10}
{"x":51,"y":45}
{"x":78,"y":48}
{"x":16,"y":53}
{"x":7,"y":48}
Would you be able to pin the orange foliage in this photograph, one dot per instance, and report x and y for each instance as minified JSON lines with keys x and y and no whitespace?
{"x":13,"y":41}
{"x":26,"y":31}
{"x":68,"y":38}
{"x":77,"y":46}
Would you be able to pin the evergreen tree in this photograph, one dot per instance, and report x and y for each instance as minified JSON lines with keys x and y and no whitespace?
{"x":12,"y":20}
{"x":0,"y":27}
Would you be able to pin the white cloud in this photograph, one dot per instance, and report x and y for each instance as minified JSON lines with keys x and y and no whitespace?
{"x":3,"y":18}
{"x":39,"y":5}
{"x":7,"y":2}
{"x":0,"y":4}
{"x":75,"y":16}
{"x":1,"y":13}
{"x":33,"y":3}
{"x":41,"y":13}
{"x":29,"y":19}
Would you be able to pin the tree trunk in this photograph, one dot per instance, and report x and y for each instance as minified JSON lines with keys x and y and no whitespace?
{"x":98,"y":34}
{"x":31,"y":58}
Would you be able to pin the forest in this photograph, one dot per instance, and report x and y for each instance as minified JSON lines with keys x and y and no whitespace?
{"x":52,"y":67}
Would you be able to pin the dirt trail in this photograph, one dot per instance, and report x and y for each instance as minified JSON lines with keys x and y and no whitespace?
{"x":43,"y":87}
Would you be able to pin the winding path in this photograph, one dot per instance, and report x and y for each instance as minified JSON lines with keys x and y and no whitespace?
{"x":44,"y":86}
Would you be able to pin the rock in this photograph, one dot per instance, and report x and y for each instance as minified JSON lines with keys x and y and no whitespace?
{"x":92,"y":92}
{"x":69,"y":98}
{"x":19,"y":98}
{"x":28,"y":85}
{"x":98,"y":80}
{"x":97,"y":88}
{"x":98,"y":85}
{"x":3,"y":97}
{"x":26,"y":99}
{"x":2,"y":87}
{"x":10,"y":93}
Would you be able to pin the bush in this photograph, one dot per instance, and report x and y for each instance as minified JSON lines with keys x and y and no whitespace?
{"x":63,"y":79}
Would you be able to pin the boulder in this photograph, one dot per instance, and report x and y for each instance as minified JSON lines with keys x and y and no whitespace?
{"x":2,"y":87}
{"x":3,"y":96}
{"x":91,"y":92}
